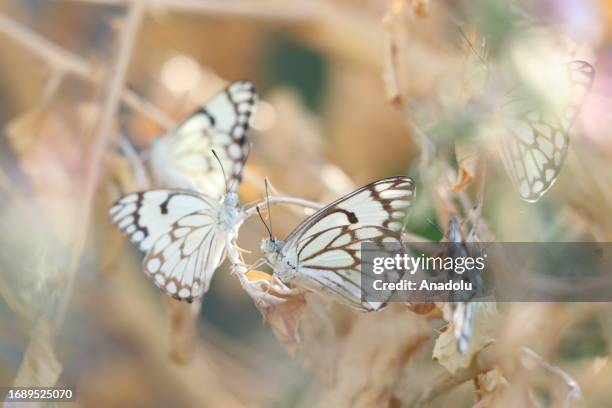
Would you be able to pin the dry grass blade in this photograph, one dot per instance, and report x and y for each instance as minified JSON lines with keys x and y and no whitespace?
{"x":40,"y":366}
{"x":103,"y":137}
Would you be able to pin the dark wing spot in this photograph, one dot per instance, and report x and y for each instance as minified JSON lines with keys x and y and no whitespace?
{"x":351,"y":217}
{"x":164,"y":207}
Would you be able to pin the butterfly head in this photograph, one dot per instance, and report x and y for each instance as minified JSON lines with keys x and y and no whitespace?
{"x":271,"y":246}
{"x":273,"y":256}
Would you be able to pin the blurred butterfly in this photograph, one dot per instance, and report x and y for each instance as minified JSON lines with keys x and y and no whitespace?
{"x":323,"y":253}
{"x":183,"y":158}
{"x":534,"y":134}
{"x":184,"y":232}
{"x":459,"y":311}
{"x":535,"y":148}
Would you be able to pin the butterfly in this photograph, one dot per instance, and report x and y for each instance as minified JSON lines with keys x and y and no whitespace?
{"x":184,"y":232}
{"x":534,"y":121}
{"x":461,"y":309}
{"x":183,"y":158}
{"x":323,"y":253}
{"x":535,"y":147}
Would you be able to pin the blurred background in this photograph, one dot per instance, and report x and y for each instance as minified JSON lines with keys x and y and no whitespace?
{"x":351,"y":91}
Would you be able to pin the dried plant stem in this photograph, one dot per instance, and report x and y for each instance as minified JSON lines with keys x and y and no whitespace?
{"x":141,"y":178}
{"x":266,"y":10}
{"x":573,"y":391}
{"x":233,"y":254}
{"x":146,"y":108}
{"x":482,"y":362}
{"x":428,"y":149}
{"x":52,"y":87}
{"x":102,"y":140}
{"x":58,"y":57}
{"x":65,"y":61}
{"x":282,"y":200}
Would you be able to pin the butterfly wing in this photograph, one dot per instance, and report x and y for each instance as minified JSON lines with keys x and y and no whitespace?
{"x":184,"y":159}
{"x":326,"y":248}
{"x":178,"y":231}
{"x":535,"y":149}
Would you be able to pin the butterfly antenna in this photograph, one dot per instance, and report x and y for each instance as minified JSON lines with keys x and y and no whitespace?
{"x":266,"y":182}
{"x":222,"y":170}
{"x":264,"y":222}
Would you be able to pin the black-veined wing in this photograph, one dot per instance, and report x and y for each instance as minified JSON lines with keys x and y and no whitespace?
{"x":184,"y":158}
{"x":325,"y":250}
{"x":179,"y":232}
{"x":536,"y":139}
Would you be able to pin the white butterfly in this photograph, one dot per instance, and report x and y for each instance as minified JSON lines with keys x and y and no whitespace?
{"x":184,"y":233}
{"x":323,"y":253}
{"x":183,"y":159}
{"x":461,"y":313}
{"x":534,"y":135}
{"x":535,"y":147}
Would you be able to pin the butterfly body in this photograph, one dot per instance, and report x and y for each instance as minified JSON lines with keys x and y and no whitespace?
{"x":273,"y":252}
{"x":230,"y":215}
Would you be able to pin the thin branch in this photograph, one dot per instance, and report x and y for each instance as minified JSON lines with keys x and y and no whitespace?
{"x":428,"y":149}
{"x":233,"y":255}
{"x":52,"y":86}
{"x":56,"y":56}
{"x":63,"y":60}
{"x":141,"y":178}
{"x":103,"y":138}
{"x":266,"y":10}
{"x":283,"y":200}
{"x":573,"y":392}
{"x":134,"y":101}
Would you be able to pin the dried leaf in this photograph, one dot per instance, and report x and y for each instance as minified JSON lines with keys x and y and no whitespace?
{"x":467,"y":159}
{"x":488,"y":388}
{"x":445,"y":349}
{"x":372,"y":356}
{"x":463,"y":179}
{"x":280,"y":306}
{"x":421,"y":8}
{"x":421,"y":307}
{"x":284,"y":319}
